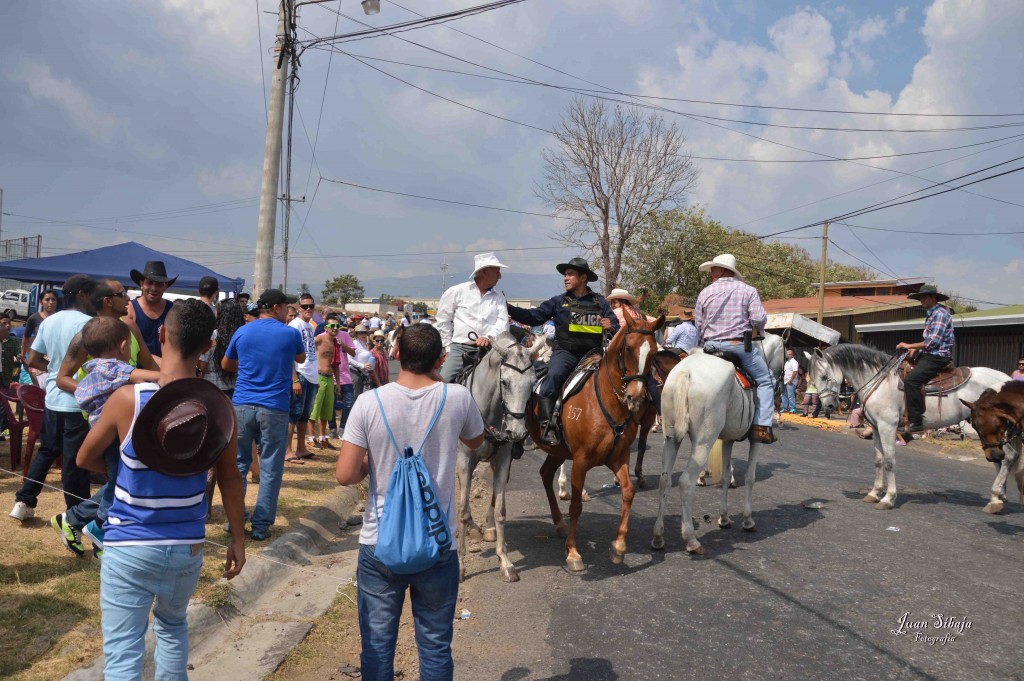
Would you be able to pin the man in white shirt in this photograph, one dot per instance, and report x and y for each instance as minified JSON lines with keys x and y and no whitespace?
{"x":471,"y":307}
{"x":374,"y":322}
{"x":790,"y":377}
{"x":361,"y":364}
{"x":304,"y":382}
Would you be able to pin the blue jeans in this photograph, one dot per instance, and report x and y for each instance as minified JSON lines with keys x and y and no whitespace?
{"x":456,"y":359}
{"x":96,"y":508}
{"x":63,"y":433}
{"x":560,"y":365}
{"x":301,"y":405}
{"x":132,"y":579}
{"x":789,"y":397}
{"x":346,"y":399}
{"x":380,"y":598}
{"x":270,"y":427}
{"x":753,"y":363}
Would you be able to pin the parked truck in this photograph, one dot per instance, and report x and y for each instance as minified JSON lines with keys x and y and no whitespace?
{"x":15,"y":303}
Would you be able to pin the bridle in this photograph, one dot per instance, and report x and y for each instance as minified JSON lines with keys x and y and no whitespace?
{"x":626,"y":379}
{"x":492,"y":434}
{"x":1011,"y":431}
{"x":870,"y":386}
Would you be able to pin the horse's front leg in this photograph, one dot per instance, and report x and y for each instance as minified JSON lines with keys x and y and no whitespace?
{"x":547,"y":477}
{"x":875,"y":494}
{"x":564,"y":493}
{"x":668,"y":462}
{"x":886,"y":434}
{"x":699,"y":453}
{"x":622,"y":474}
{"x":501,"y":464}
{"x":573,"y":561}
{"x":723,"y":507}
{"x":646,"y":423}
{"x":749,"y":479}
{"x":489,"y":534}
{"x":998,"y":493}
{"x":463,"y":514}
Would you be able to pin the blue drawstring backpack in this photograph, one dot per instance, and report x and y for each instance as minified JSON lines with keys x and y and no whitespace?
{"x":412,"y":531}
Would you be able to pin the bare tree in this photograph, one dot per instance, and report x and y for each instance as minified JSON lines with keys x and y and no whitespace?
{"x":610,"y":171}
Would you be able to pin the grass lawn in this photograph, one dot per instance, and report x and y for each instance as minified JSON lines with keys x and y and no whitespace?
{"x":49,"y":599}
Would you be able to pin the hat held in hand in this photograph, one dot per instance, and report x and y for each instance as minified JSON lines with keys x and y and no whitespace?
{"x":184,"y":428}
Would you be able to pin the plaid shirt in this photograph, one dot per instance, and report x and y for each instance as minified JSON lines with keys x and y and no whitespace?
{"x":938,"y":332}
{"x":103,"y":378}
{"x":727,"y":309}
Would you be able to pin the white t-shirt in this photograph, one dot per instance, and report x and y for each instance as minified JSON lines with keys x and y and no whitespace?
{"x":788,"y":369}
{"x":306,"y":369}
{"x":408,"y":412}
{"x":375,"y":322}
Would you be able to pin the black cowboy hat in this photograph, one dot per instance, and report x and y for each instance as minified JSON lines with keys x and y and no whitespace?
{"x":153,"y":271}
{"x":578,"y":264}
{"x":929,"y":290}
{"x":184,"y":427}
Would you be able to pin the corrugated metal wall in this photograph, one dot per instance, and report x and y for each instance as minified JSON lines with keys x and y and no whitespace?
{"x":996,"y":347}
{"x":846,"y":324}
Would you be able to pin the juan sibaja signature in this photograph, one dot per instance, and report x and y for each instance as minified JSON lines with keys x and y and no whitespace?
{"x":935,"y":629}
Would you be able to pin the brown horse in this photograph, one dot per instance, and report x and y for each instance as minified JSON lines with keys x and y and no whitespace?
{"x":664,"y":362}
{"x":997,"y":416}
{"x":599,"y":424}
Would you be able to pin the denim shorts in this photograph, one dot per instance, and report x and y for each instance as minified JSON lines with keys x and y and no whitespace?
{"x":301,"y":405}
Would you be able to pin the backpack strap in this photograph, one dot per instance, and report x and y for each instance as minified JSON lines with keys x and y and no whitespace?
{"x":391,"y":436}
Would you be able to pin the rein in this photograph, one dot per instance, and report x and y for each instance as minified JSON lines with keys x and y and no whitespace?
{"x":618,"y":428}
{"x":492,"y":434}
{"x":872,"y":383}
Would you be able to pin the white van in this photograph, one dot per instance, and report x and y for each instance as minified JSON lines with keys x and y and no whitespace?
{"x":15,"y":303}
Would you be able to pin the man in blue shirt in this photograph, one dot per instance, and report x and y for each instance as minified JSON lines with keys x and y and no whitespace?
{"x":684,"y":335}
{"x":934,"y":353}
{"x":263,"y":353}
{"x":581,"y":317}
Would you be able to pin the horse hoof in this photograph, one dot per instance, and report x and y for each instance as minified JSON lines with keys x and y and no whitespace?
{"x":615,"y":556}
{"x":574,"y":564}
{"x":586,"y":497}
{"x":724,"y":523}
{"x":701,"y":482}
{"x":697,"y":550}
{"x":490,"y":535}
{"x":640,"y":481}
{"x":564,"y":496}
{"x":732,"y":484}
{"x":510,"y":575}
{"x":752,"y":527}
{"x":474,"y":534}
{"x":993,"y":507}
{"x":884,"y":505}
{"x":562,"y":530}
{"x":474,"y":547}
{"x":658,"y":544}
{"x":870,"y":499}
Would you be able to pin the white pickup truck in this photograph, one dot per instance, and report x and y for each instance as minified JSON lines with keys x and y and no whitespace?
{"x":15,"y":303}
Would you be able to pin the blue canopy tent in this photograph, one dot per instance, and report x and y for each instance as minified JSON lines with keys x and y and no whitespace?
{"x":114,"y":262}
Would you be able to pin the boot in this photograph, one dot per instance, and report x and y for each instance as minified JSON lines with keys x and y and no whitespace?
{"x":545,"y":410}
{"x":762,"y":434}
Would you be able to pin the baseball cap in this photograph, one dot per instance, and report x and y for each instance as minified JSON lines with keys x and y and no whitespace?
{"x":272,"y":297}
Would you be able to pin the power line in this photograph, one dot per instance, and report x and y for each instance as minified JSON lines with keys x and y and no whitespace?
{"x":323,"y":99}
{"x":931,"y":233}
{"x":856,"y":236}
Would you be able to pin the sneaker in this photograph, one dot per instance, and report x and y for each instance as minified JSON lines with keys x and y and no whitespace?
{"x":94,"y":533}
{"x":22,"y":511}
{"x":326,"y":444}
{"x":260,"y":535}
{"x":69,"y":536}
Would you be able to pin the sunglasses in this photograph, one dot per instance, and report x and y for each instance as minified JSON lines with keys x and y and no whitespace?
{"x":119,"y":294}
{"x":332,"y":326}
{"x":378,"y":340}
{"x":308,"y":306}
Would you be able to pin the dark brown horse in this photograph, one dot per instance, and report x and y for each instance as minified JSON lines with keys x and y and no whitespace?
{"x":998,"y":417}
{"x":664,"y":362}
{"x":599,"y":424}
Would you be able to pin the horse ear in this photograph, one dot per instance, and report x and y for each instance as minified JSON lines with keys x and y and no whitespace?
{"x":818,"y":353}
{"x":808,"y":355}
{"x":969,"y":405}
{"x":658,"y":323}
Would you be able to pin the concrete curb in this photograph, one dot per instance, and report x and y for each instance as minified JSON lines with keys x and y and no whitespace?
{"x":314,"y":533}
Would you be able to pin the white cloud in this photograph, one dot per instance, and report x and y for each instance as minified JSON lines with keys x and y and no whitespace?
{"x":81,"y":110}
{"x":236,"y":180}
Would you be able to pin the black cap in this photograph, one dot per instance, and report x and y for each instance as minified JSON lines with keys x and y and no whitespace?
{"x":209,"y":283}
{"x":77,"y":283}
{"x":272,"y":297}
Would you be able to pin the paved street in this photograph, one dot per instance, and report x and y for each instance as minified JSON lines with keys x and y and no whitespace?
{"x":813,"y":594}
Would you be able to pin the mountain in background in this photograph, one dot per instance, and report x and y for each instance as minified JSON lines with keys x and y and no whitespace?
{"x":514,"y":285}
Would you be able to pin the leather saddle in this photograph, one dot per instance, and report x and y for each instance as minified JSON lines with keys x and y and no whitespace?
{"x":948,"y":380}
{"x":744,"y":379}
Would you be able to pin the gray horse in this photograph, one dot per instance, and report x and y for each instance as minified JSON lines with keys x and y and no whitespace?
{"x":501,"y":385}
{"x":873,"y":375}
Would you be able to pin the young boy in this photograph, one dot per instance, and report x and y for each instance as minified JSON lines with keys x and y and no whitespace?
{"x":323,"y":405}
{"x":154,"y":550}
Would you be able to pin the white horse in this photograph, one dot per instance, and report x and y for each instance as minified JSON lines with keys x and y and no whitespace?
{"x":873,"y":375}
{"x":703,"y":399}
{"x":501,"y":385}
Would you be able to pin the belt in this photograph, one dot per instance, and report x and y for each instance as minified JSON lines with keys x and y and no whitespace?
{"x":326,"y":375}
{"x":734,"y":341}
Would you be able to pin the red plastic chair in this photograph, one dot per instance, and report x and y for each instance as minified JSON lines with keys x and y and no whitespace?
{"x":15,"y":423}
{"x":34,"y":401}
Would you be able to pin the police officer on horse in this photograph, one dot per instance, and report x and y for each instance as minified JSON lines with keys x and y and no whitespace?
{"x":581,"y":317}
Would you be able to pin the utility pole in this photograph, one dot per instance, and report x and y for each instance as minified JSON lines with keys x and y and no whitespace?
{"x":293,"y":82}
{"x":266,"y":227}
{"x":821,"y":283}
{"x":444,"y":272}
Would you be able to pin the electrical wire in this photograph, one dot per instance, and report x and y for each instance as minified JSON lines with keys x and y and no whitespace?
{"x":263,"y":74}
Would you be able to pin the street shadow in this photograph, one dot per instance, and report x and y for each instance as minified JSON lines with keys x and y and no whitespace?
{"x":590,"y":668}
{"x":925,"y":497}
{"x":1003,"y":527}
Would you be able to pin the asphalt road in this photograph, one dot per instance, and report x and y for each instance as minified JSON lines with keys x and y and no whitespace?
{"x":813,"y":594}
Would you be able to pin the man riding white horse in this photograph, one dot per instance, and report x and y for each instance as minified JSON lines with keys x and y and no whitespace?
{"x":934,"y":353}
{"x":581,"y":317}
{"x":725,"y":311}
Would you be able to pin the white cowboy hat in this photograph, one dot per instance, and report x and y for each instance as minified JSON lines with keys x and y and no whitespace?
{"x":726,"y":261}
{"x":621,"y":294}
{"x":482,"y":260}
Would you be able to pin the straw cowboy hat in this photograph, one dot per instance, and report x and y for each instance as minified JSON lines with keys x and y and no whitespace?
{"x":184,"y":427}
{"x":929,"y":290}
{"x":578,"y":264}
{"x":155,"y":270}
{"x":378,"y":334}
{"x":621,"y":294}
{"x":482,"y":260}
{"x":726,"y":261}
{"x":361,"y":328}
{"x":686,"y":314}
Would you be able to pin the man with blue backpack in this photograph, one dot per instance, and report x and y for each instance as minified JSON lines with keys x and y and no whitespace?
{"x":406,"y":540}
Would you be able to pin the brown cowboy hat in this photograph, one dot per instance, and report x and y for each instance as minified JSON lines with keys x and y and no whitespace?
{"x":580,"y":265}
{"x":929,"y":290}
{"x":184,"y":427}
{"x":155,"y":270}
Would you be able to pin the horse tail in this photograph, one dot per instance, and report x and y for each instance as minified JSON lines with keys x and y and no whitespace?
{"x":675,"y":405}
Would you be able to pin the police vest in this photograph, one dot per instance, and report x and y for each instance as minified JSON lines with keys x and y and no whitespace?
{"x":583,"y":331}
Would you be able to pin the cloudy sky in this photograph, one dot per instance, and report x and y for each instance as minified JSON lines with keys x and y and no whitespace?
{"x":145,"y":121}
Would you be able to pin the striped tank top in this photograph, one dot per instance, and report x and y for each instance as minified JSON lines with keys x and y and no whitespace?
{"x":151,"y":508}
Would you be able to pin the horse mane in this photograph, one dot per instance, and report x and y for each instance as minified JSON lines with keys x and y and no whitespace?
{"x":850,"y":355}
{"x":1010,"y":394}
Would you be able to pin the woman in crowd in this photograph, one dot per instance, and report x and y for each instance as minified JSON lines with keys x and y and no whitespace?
{"x":47,"y":306}
{"x":1018,"y":374}
{"x":380,"y":354}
